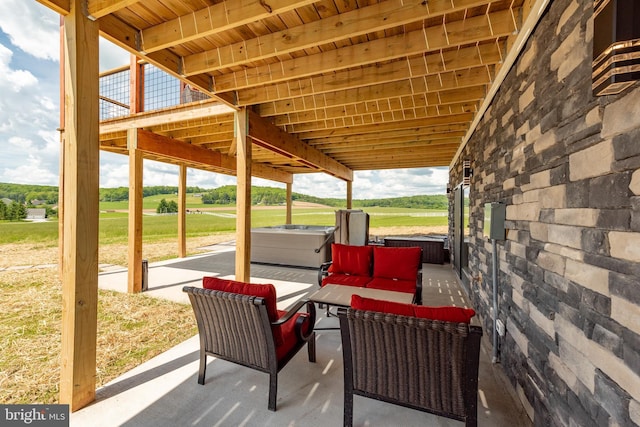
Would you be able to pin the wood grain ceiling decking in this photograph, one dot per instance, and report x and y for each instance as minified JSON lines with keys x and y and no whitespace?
{"x":370,"y":84}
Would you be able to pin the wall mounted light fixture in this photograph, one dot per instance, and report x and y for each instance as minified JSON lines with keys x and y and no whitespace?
{"x":616,"y":45}
{"x":467,"y":172}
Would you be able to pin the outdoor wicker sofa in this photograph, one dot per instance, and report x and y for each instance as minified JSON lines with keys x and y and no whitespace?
{"x":375,"y":267}
{"x":428,"y":365}
{"x":239,"y":322}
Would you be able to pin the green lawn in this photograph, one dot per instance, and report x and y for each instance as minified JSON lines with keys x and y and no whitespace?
{"x":114,"y":225}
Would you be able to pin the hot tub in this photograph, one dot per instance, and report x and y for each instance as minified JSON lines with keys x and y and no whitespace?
{"x":292,"y":245}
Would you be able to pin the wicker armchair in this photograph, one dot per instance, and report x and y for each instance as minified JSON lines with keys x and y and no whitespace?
{"x":427,"y":365}
{"x":237,"y":328}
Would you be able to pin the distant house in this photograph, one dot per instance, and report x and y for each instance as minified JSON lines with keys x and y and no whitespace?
{"x":7,"y":201}
{"x":36,"y":214}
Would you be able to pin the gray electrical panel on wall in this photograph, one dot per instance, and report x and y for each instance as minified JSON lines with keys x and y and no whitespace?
{"x":495,"y":215}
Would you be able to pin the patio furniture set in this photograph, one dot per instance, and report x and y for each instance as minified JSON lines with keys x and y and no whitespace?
{"x":394,"y":349}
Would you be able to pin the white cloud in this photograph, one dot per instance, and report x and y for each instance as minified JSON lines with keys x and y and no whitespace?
{"x":13,"y":80}
{"x":36,"y":32}
{"x":112,"y":56}
{"x":29,"y":116}
{"x":30,"y":171}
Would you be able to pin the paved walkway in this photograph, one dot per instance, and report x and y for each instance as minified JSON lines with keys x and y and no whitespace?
{"x":164,"y":391}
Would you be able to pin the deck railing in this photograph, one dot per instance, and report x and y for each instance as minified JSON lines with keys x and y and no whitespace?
{"x":161,"y":90}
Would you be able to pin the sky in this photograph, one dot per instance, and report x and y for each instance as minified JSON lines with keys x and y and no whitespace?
{"x":30,"y":117}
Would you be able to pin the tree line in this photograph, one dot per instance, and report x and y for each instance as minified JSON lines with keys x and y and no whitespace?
{"x":120,"y":194}
{"x":271,"y":196}
{"x":226,"y":195}
{"x":26,"y":194}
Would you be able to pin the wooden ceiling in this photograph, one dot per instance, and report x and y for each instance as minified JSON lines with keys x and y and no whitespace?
{"x":362,"y":84}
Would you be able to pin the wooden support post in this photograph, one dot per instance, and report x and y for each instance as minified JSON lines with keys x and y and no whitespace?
{"x":289,"y":204}
{"x":349,"y":194}
{"x":182,"y":212}
{"x":81,"y":185}
{"x":243,"y":198}
{"x":61,"y":160}
{"x":136,"y":86}
{"x":135,"y":213}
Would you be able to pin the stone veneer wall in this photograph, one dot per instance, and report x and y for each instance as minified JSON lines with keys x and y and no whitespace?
{"x":567,"y":164}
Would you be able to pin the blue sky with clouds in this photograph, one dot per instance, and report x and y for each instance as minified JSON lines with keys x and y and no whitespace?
{"x":29,"y":117}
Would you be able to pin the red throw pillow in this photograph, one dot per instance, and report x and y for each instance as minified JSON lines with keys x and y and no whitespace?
{"x":268,"y":291}
{"x":370,"y":304}
{"x":349,"y":259}
{"x":445,"y":314}
{"x":396,"y":263}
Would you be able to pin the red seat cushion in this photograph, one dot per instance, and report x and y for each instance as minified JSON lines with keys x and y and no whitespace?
{"x":288,"y":331}
{"x":370,"y":304}
{"x":347,"y":259}
{"x":408,"y":286}
{"x":445,"y":314}
{"x":396,"y":263}
{"x":267,"y":291}
{"x":346,"y":280}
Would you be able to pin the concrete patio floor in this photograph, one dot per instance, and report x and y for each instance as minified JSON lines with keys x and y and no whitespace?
{"x":164,"y":391}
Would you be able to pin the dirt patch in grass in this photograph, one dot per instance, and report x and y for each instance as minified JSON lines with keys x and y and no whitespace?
{"x":31,"y":254}
{"x":160,"y":250}
{"x":131,"y":330}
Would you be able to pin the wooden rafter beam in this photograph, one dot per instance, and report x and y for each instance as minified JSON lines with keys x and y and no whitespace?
{"x":380,"y":16}
{"x":166,"y":117}
{"x":469,"y":32}
{"x":100,"y":8}
{"x":371,"y":93}
{"x":400,"y":109}
{"x":62,"y":7}
{"x":453,"y":120}
{"x":414,"y":83}
{"x":164,"y":147}
{"x":424,"y":64}
{"x":213,"y":20}
{"x":405,"y":152}
{"x":358,"y":22}
{"x":442,"y":123}
{"x":275,"y":139}
{"x":369,"y":119}
{"x":123,"y":35}
{"x":426,"y":135}
{"x":377,"y":145}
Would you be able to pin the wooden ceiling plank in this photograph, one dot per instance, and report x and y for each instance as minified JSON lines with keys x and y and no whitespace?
{"x":401,"y":135}
{"x":378,"y":145}
{"x":371,"y":93}
{"x":62,"y":7}
{"x":437,"y":125}
{"x":380,"y":16}
{"x":466,"y":31}
{"x":428,"y":63}
{"x":394,"y":72}
{"x":212,"y":20}
{"x":469,"y":32}
{"x":417,"y":109}
{"x":99,"y":8}
{"x":263,"y":131}
{"x":396,"y":124}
